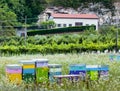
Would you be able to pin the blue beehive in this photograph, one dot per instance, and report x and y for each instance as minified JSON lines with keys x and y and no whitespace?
{"x":54,"y":69}
{"x":78,"y":69}
{"x":118,"y":57}
{"x":104,"y":72}
{"x":112,"y":57}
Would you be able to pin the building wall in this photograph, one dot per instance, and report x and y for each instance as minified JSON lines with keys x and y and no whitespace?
{"x":21,"y":33}
{"x":72,"y":21}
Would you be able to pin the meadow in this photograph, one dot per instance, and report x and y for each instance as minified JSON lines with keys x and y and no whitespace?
{"x":113,"y":84}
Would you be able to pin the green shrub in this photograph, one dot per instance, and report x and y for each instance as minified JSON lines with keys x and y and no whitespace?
{"x":59,"y":30}
{"x":58,"y":43}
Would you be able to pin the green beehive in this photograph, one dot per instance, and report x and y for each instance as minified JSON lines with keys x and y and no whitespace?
{"x":42,"y":74}
{"x":41,"y":70}
{"x":92,"y":72}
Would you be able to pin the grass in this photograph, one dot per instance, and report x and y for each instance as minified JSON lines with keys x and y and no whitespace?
{"x":113,"y":84}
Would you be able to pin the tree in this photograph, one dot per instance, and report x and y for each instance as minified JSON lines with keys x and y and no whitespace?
{"x":29,"y":8}
{"x":47,"y":24}
{"x":33,"y":8}
{"x":7,"y":20}
{"x":51,"y":24}
{"x":18,"y":7}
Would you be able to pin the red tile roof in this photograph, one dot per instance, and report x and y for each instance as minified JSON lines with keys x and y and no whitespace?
{"x":78,"y":16}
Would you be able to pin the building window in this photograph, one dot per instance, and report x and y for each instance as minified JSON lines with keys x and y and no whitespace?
{"x":64,"y":25}
{"x":78,"y":23}
{"x":87,"y":24}
{"x":59,"y":25}
{"x":70,"y":25}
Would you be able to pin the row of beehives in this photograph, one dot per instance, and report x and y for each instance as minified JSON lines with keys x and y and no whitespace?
{"x":38,"y":70}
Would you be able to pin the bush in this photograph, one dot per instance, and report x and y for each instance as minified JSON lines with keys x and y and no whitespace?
{"x":63,"y":43}
{"x":59,"y":30}
{"x":55,"y":48}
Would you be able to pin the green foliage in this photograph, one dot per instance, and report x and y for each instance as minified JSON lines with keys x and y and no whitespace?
{"x":47,"y":24}
{"x":55,"y":48}
{"x":64,"y":43}
{"x":77,"y":3}
{"x":86,"y":41}
{"x":59,"y":30}
{"x":22,"y":8}
{"x":33,"y":8}
{"x":105,"y":29}
{"x":7,"y":19}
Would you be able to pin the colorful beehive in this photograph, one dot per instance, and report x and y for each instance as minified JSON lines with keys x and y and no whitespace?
{"x":118,"y":57}
{"x":28,"y":72}
{"x":41,"y":70}
{"x":78,"y":69}
{"x":54,"y":69}
{"x":14,"y":73}
{"x":92,"y":72}
{"x":104,"y":72}
{"x":114,"y":57}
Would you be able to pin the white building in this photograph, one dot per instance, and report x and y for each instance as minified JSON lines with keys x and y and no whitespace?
{"x":67,"y":20}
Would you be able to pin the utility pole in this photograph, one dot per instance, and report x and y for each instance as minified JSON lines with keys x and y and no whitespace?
{"x":117,"y":40}
{"x":117,"y":21}
{"x":25,"y":29}
{"x":1,"y":28}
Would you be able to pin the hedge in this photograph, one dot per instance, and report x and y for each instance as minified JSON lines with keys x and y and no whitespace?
{"x":59,"y":30}
{"x":55,"y":48}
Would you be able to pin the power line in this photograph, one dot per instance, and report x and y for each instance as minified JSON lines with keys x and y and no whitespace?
{"x":16,"y":26}
{"x":18,"y":20}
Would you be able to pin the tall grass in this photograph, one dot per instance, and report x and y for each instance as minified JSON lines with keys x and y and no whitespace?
{"x":113,"y":84}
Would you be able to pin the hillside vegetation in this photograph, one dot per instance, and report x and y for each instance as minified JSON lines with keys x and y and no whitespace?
{"x":86,"y":41}
{"x":32,"y":8}
{"x":78,"y":3}
{"x":13,"y":12}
